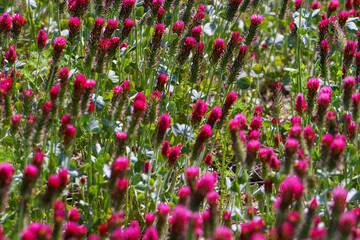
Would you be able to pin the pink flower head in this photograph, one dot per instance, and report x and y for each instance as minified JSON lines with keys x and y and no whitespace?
{"x":230,"y":99}
{"x":63,"y":177}
{"x":69,"y":134}
{"x":161,"y":80}
{"x":15,"y":121}
{"x":312,"y":85}
{"x":10,"y":55}
{"x":64,"y":73}
{"x":47,"y":107}
{"x":189,"y":43}
{"x":117,"y":90}
{"x":18,"y":21}
{"x":111,"y":26}
{"x":5,"y":23}
{"x":163,"y":210}
{"x":347,"y":222}
{"x":300,"y":168}
{"x":149,"y":219}
{"x":191,"y":173}
{"x":174,"y":154}
{"x":343,"y":17}
{"x":74,"y":25}
{"x":253,"y":147}
{"x":297,"y":4}
{"x":66,"y":119}
{"x":326,"y":90}
{"x":151,"y":234}
{"x":53,"y":182}
{"x":291,"y":188}
{"x":265,"y":154}
{"x":74,"y":215}
{"x":222,"y":233}
{"x":339,"y":199}
{"x":180,"y":218}
{"x":6,"y":173}
{"x":300,"y":105}
{"x":139,"y":103}
{"x":333,"y":6}
{"x":258,"y":111}
{"x":208,"y":159}
{"x":120,"y":165}
{"x":199,"y":111}
{"x":309,"y":135}
{"x":163,"y":124}
{"x":159,"y":29}
{"x":212,"y":198}
{"x":38,"y":159}
{"x":205,"y":184}
{"x":59,"y":211}
{"x":54,"y":91}
{"x":59,"y":44}
{"x":352,"y":130}
{"x":349,"y":83}
{"x":255,"y":123}
{"x":41,"y":39}
{"x":196,"y":33}
{"x":183,"y":193}
{"x":219,"y":47}
{"x":291,"y":146}
{"x":128,"y":24}
{"x":256,"y":19}
{"x":89,"y":85}
{"x":324,"y":101}
{"x":30,"y":173}
{"x":254,"y":135}
{"x":348,"y":4}
{"x":178,"y":27}
{"x":316,"y":5}
{"x":337,"y":147}
{"x":214,"y":116}
{"x":295,"y":132}
{"x":165,"y":149}
{"x":296,"y":121}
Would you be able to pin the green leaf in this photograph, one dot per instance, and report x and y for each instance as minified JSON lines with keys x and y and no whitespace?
{"x":257,"y":68}
{"x":94,"y":125}
{"x":243,"y":83}
{"x":287,"y":126}
{"x":209,"y":29}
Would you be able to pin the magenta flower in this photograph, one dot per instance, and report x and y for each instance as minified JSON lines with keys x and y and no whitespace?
{"x":10,"y":55}
{"x":41,"y":39}
{"x":300,"y":105}
{"x":5,"y":24}
{"x":18,"y":22}
{"x":198,"y":113}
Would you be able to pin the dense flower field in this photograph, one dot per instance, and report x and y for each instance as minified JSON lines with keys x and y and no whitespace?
{"x":179,"y":119}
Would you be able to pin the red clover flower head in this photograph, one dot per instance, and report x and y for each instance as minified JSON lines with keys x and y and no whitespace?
{"x":165,"y":149}
{"x":178,"y":27}
{"x":291,"y":188}
{"x":199,"y":111}
{"x":6,"y":173}
{"x":316,"y":5}
{"x":41,"y":39}
{"x":255,"y":123}
{"x":223,"y":233}
{"x":208,"y":159}
{"x":196,"y":33}
{"x":174,"y":154}
{"x":339,"y":198}
{"x":10,"y":55}
{"x":151,"y":234}
{"x":214,"y":116}
{"x":5,"y":24}
{"x":18,"y":21}
{"x":300,"y":105}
